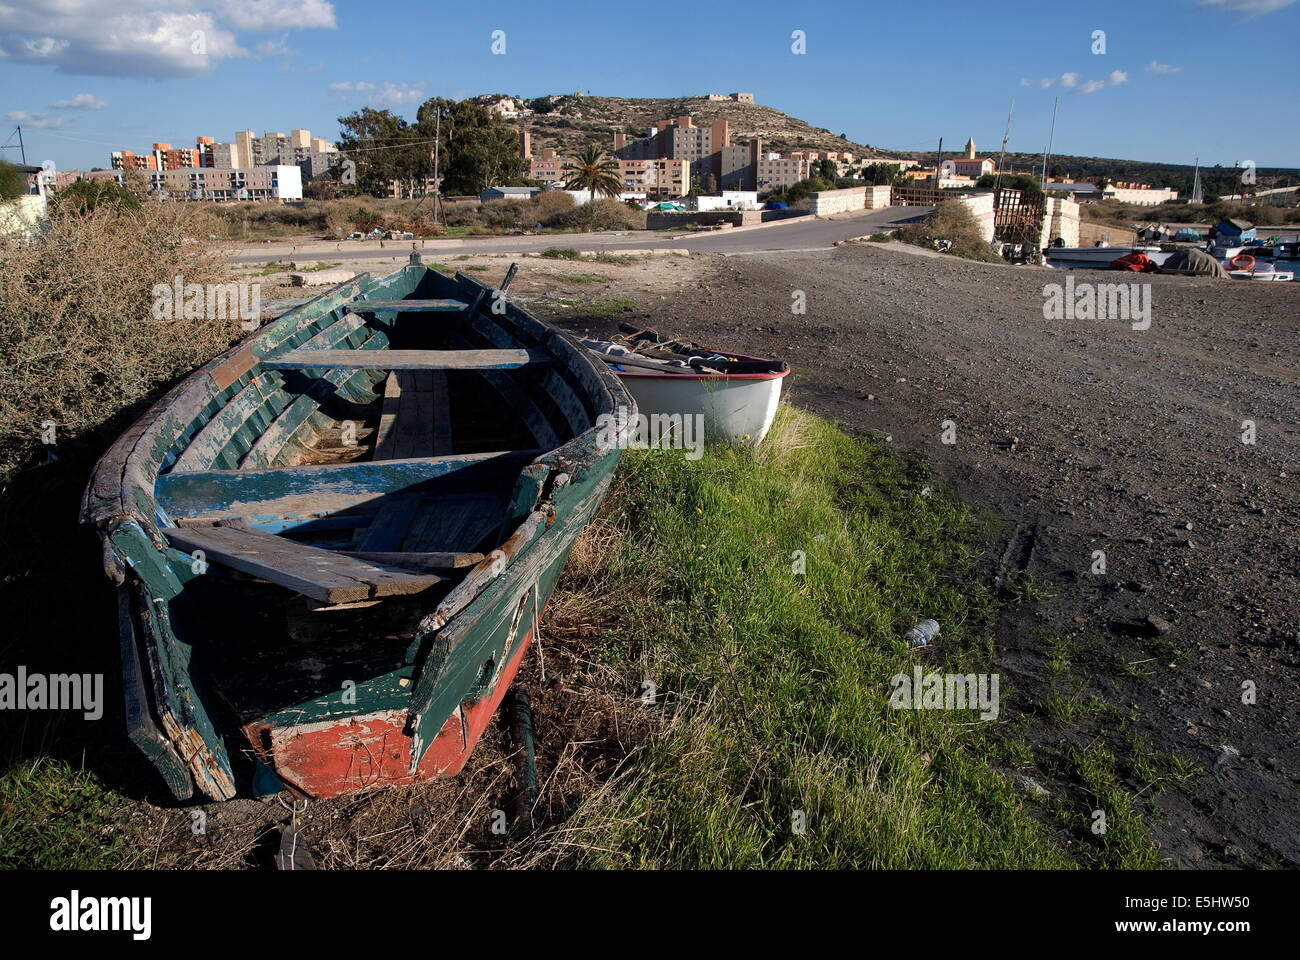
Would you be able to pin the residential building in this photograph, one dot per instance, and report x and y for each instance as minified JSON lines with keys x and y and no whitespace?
{"x":548,"y":167}
{"x":773,"y":171}
{"x":277,"y":182}
{"x":738,"y":165}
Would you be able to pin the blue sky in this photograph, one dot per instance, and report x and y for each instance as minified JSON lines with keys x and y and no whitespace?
{"x":1178,"y":78}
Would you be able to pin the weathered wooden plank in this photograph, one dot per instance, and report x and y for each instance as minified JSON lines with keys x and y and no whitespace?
{"x":388,"y":529}
{"x":206,"y":446}
{"x":386,"y":432}
{"x":407,"y":359}
{"x":312,"y":489}
{"x":412,"y":560}
{"x":408,"y":306}
{"x":273,"y":440}
{"x":324,"y":575}
{"x":441,"y":396}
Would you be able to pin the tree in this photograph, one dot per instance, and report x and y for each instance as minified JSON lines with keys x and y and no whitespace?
{"x":477,"y":149}
{"x":880,"y":174}
{"x":83,"y":196}
{"x":13,"y":182}
{"x":1028,"y":186}
{"x":595,"y":171}
{"x":826,"y":169}
{"x":710,"y":184}
{"x":383,"y":147}
{"x":323,"y":187}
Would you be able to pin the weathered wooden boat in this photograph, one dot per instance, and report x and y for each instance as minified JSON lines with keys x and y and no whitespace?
{"x":334,"y":542}
{"x":736,"y":395}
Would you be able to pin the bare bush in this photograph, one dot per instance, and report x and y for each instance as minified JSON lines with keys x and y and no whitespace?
{"x":602,"y":214}
{"x":953,"y":222}
{"x":78,"y":339}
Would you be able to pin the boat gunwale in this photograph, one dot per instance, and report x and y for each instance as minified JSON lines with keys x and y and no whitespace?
{"x":120,"y":499}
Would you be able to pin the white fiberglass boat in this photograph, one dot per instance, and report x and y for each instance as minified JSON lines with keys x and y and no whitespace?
{"x":737,"y":395}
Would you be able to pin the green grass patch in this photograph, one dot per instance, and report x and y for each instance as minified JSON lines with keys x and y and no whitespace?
{"x":1027,"y":588}
{"x":560,"y":253}
{"x":53,"y":817}
{"x":773,"y":685}
{"x":609,"y":307}
{"x":581,"y":278}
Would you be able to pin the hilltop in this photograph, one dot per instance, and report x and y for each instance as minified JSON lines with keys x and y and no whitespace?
{"x":568,"y":122}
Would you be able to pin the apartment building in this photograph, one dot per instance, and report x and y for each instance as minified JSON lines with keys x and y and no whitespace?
{"x":659,"y":178}
{"x":773,"y":171}
{"x":278,"y":182}
{"x":548,"y":167}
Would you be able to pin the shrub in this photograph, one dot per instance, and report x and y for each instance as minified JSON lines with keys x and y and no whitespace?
{"x":78,"y":340}
{"x":550,"y":203}
{"x":602,"y":214}
{"x":82,"y":196}
{"x":953,"y":222}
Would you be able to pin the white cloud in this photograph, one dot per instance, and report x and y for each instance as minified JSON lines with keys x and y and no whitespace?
{"x":1117,"y":77}
{"x":1251,"y":8}
{"x":147,"y":38}
{"x":1092,"y":86}
{"x":1024,"y":82}
{"x":274,"y":48}
{"x":82,"y":101}
{"x":40,"y":121}
{"x":258,"y":16}
{"x":397,"y":95}
{"x":1069,"y":79}
{"x":1046,"y":82}
{"x":1155,"y":66}
{"x":389,"y":95}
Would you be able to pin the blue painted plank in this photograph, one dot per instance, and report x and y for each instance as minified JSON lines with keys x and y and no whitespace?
{"x":339,"y":485}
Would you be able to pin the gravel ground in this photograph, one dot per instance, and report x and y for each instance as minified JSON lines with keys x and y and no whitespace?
{"x":1084,"y":436}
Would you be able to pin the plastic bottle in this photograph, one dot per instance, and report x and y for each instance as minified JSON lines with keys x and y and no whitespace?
{"x":921,"y":634}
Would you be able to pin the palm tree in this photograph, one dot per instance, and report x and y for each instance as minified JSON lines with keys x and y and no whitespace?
{"x":594,"y":171}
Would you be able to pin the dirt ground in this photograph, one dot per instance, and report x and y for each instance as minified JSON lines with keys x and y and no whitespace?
{"x":1085,"y":435}
{"x":1081,"y":435}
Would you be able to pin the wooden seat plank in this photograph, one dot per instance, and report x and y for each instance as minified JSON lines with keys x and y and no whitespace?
{"x":408,"y":306}
{"x":299,"y":359}
{"x":325,"y":575}
{"x":427,"y":560}
{"x":313,"y":490}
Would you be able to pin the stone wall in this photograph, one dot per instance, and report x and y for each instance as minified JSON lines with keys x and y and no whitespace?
{"x":825,"y":203}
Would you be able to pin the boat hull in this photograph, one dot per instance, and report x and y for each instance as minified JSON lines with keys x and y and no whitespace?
{"x":733,"y":409}
{"x":298,"y":651}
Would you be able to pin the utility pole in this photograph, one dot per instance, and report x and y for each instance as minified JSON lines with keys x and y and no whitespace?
{"x":997,"y":181}
{"x":1050,"y":140}
{"x":437,"y":142}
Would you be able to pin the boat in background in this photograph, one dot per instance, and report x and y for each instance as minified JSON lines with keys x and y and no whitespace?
{"x":1067,"y":257}
{"x":737,"y":395}
{"x":333,"y":543}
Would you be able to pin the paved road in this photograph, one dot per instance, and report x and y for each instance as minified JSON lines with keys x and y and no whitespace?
{"x":801,"y":233}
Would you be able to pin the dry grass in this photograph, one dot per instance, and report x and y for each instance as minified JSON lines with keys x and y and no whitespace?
{"x":78,"y":341}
